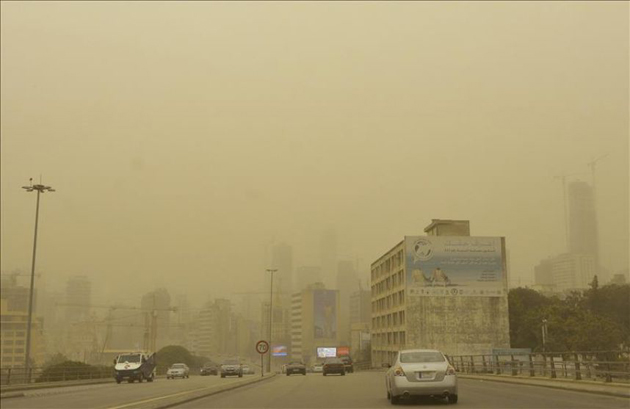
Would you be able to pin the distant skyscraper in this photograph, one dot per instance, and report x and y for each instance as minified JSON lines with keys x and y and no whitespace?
{"x":347,"y":284}
{"x":78,"y":298}
{"x":282,"y":260}
{"x":158,"y":302}
{"x":328,"y":257}
{"x":582,"y":220}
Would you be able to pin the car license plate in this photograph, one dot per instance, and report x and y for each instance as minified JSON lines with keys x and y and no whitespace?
{"x":425,"y":375}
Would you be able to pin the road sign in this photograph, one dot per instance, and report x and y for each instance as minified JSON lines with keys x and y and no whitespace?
{"x":262,"y":347}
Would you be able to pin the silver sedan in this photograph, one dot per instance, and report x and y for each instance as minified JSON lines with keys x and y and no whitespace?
{"x":421,"y":372}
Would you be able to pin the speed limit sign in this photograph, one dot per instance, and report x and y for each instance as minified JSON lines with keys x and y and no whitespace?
{"x":262,"y":347}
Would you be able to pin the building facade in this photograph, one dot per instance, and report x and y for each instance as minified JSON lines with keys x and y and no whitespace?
{"x":446,"y":290}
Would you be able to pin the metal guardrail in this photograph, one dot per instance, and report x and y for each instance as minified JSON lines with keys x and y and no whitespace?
{"x":17,"y":376}
{"x":607,"y":366}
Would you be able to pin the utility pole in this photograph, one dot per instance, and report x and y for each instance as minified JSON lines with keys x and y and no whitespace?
{"x":544,"y":335}
{"x":270,"y":270}
{"x":40,"y":189}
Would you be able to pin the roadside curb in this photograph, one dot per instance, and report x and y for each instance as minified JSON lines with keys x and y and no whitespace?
{"x":10,"y":395}
{"x":189,"y":396}
{"x":586,"y":388}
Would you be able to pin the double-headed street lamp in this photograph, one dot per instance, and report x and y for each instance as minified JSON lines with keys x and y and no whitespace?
{"x":40,"y":189}
{"x":270,"y":270}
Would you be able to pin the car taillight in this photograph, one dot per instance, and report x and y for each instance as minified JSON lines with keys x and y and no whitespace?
{"x":450,"y":370}
{"x":399,"y":371}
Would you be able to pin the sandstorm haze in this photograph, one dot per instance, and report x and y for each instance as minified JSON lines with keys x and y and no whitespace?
{"x":185,"y":138}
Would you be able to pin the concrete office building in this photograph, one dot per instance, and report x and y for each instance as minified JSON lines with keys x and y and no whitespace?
{"x":13,"y":324}
{"x":347,"y":284}
{"x":565,"y":272}
{"x":446,"y":290}
{"x":582,"y":220}
{"x":314,"y":322}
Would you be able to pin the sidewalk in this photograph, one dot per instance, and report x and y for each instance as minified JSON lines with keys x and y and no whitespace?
{"x":621,"y":390}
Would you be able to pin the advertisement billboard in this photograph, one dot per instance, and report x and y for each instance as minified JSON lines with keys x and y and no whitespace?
{"x":326,"y":352}
{"x":325,"y":314}
{"x":454,"y":266}
{"x":279,"y":350}
{"x":343,"y":351}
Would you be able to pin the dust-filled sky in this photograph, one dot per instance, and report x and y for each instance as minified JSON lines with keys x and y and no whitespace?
{"x":184,"y":138}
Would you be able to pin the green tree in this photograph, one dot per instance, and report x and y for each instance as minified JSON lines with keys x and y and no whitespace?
{"x":174,"y":354}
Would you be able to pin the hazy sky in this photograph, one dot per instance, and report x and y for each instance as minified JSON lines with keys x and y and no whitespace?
{"x":183,"y":138}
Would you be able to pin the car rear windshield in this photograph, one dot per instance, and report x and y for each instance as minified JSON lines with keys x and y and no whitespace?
{"x":178,"y":366}
{"x":134,"y":359}
{"x":334,"y":361}
{"x":420,"y":357}
{"x":231,"y":362}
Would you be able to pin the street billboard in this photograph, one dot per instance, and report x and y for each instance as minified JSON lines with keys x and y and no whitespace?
{"x":343,"y":351}
{"x":279,"y":350}
{"x":326,"y":352}
{"x":454,"y":266}
{"x":324,"y":314}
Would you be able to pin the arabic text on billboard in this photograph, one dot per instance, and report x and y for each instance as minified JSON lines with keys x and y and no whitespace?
{"x":454,"y":266}
{"x":326,"y":352}
{"x":325,"y":314}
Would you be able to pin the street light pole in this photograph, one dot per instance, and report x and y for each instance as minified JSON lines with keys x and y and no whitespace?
{"x":40,"y":189}
{"x":544,"y":334}
{"x":270,"y":270}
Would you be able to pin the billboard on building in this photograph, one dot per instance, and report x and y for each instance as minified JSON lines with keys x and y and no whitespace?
{"x":454,"y":266}
{"x":279,"y":350}
{"x":325,"y":314}
{"x":326,"y":352}
{"x":343,"y":351}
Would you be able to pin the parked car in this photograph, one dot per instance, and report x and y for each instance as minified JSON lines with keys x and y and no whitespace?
{"x":347,"y":362}
{"x":334,"y":365}
{"x":248,"y":370}
{"x":178,"y":371}
{"x":295,"y":367}
{"x":421,"y":372}
{"x":318,"y":368}
{"x":231,"y":367}
{"x":209,"y":369}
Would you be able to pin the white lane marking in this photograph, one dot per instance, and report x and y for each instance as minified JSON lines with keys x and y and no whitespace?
{"x":126,"y":405}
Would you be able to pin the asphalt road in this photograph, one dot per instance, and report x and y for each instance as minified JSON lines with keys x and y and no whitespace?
{"x":110,"y":395}
{"x":367,"y":390}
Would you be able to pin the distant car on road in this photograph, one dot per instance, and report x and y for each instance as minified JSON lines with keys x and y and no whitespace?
{"x":421,"y":372}
{"x":295,"y":367}
{"x":347,"y":362}
{"x":248,"y":370}
{"x":318,"y":368}
{"x":231,"y":367}
{"x":209,"y":369}
{"x":334,"y":365}
{"x":178,"y":371}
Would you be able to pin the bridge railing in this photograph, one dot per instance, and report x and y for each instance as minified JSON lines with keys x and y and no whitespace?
{"x":16,"y":376}
{"x":607,"y":366}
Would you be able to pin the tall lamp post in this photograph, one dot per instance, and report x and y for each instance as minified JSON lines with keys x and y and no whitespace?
{"x":40,"y":189}
{"x":270,"y":270}
{"x":544,"y":335}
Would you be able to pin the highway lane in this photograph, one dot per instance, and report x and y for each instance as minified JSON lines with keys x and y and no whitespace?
{"x":110,"y":395}
{"x":367,"y":390}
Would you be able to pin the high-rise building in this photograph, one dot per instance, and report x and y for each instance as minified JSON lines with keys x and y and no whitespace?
{"x":347,"y":284}
{"x":446,"y":290}
{"x":314,"y":322}
{"x":282,"y":261}
{"x":78,"y":298}
{"x":582,"y":220}
{"x":157,"y":307}
{"x":13,"y":325}
{"x":215,"y":330}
